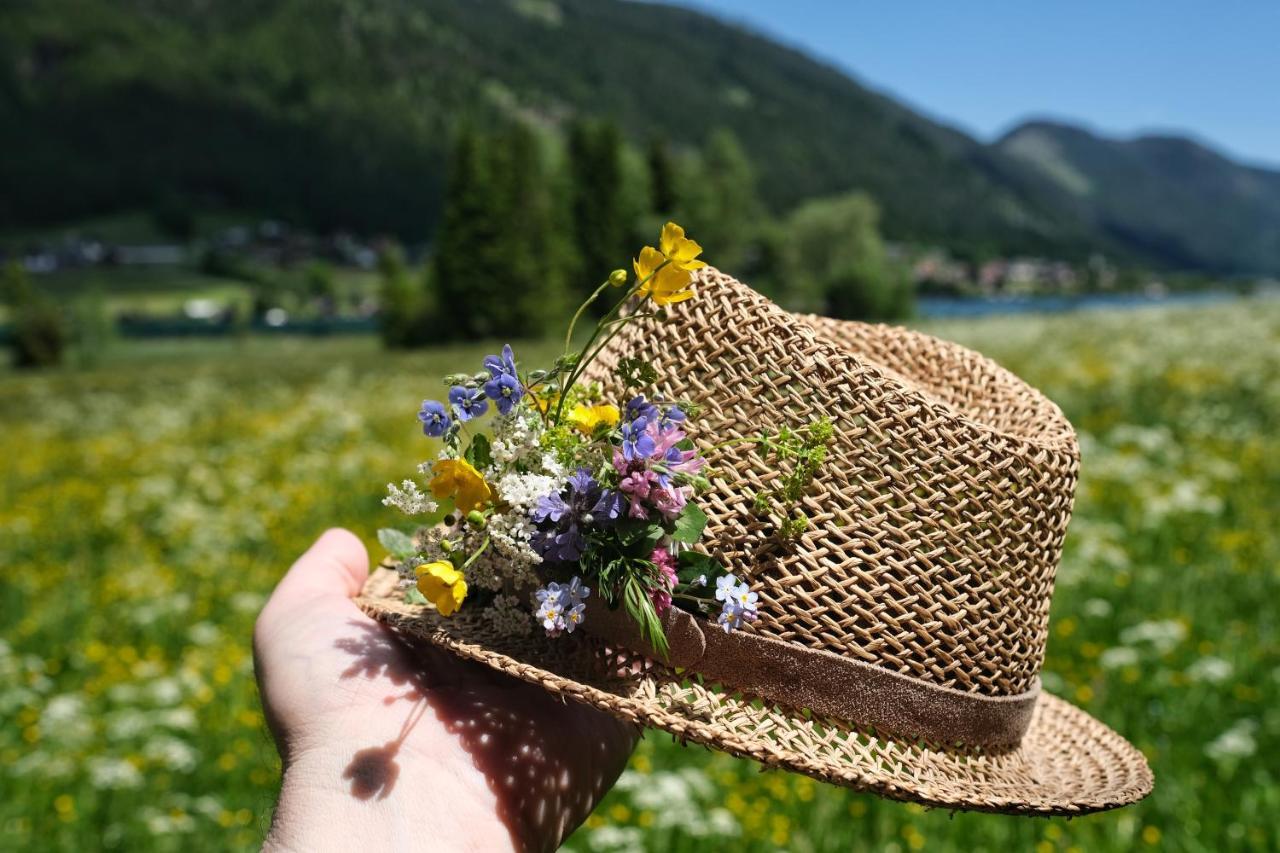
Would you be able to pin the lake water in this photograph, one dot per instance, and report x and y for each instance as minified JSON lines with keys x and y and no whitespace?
{"x":947,"y":306}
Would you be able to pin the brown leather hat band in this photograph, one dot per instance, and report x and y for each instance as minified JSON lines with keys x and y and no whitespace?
{"x":826,"y":683}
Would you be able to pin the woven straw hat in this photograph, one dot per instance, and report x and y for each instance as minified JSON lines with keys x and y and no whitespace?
{"x":900,"y":638}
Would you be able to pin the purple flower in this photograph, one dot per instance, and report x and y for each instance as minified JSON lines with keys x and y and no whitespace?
{"x":504,"y":388}
{"x":637,"y":443}
{"x":562,"y":516}
{"x":498,"y":365}
{"x":435,"y":418}
{"x":673,"y":460}
{"x":638,"y":407}
{"x":665,"y":417}
{"x":560,"y":608}
{"x":467,"y":403}
{"x":740,"y":603}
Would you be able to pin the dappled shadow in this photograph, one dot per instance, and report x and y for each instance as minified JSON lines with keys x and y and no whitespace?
{"x":547,"y":761}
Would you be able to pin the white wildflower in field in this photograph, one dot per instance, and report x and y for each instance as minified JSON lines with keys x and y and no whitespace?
{"x":173,"y":753}
{"x":107,"y":772}
{"x":1163,"y":636}
{"x":204,"y":633}
{"x":1118,"y":657}
{"x":1235,"y":743}
{"x":1210,"y":670}
{"x":1097,"y":608}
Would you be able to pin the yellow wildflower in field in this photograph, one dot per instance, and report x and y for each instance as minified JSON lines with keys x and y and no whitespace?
{"x":681,"y":251}
{"x":442,"y":585}
{"x":458,"y":479}
{"x":587,"y":418}
{"x":667,"y":283}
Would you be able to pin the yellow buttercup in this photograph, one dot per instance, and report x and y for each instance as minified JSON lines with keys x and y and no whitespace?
{"x":458,"y":479}
{"x":442,"y":585}
{"x":587,"y":418}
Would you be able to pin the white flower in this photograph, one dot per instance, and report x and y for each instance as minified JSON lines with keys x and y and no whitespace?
{"x":409,"y":499}
{"x":1235,"y":743}
{"x":1118,"y":658}
{"x":1211,"y":670}
{"x":113,"y":773}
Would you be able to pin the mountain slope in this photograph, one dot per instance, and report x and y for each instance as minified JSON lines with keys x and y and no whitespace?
{"x":1168,"y":198}
{"x":338,"y":114}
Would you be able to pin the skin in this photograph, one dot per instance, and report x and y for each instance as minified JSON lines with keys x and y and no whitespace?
{"x":392,"y":746}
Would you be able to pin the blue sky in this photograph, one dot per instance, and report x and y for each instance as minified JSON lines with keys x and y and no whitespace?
{"x":1208,"y":69}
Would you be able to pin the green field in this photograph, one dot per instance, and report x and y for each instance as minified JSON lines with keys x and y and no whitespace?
{"x":150,"y":504}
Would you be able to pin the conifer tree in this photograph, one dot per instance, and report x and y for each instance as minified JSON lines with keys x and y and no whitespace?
{"x":662,"y":177}
{"x":601,"y":224}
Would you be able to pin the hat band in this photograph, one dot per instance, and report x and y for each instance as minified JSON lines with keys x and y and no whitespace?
{"x":826,"y":683}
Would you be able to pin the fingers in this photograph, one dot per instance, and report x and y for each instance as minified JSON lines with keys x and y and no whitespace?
{"x":336,"y":565}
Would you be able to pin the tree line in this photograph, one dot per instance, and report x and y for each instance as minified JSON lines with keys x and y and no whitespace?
{"x":533,"y":221}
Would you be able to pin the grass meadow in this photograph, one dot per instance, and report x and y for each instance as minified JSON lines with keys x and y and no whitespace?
{"x":150,"y":504}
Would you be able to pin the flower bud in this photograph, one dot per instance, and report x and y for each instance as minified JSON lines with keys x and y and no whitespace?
{"x":618,"y":278}
{"x":476,"y":518}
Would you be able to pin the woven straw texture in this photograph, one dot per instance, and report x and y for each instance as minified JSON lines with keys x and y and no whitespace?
{"x":936,"y":528}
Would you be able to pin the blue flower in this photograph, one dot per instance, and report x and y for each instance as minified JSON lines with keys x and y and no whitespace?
{"x":504,"y":388}
{"x":636,"y":441}
{"x":740,"y":603}
{"x":498,"y":365}
{"x":562,"y":516}
{"x":666,"y":417}
{"x":435,"y":418}
{"x":467,"y":403}
{"x":638,"y":407}
{"x":561,"y":607}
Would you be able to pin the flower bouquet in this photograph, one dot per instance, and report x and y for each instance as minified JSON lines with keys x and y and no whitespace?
{"x":567,"y":494}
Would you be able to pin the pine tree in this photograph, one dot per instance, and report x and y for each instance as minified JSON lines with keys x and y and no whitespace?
{"x":601,"y":224}
{"x":463,"y":264}
{"x":662,"y":177}
{"x":720,"y":203}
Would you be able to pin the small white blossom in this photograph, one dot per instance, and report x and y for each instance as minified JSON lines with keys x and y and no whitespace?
{"x":408,"y":498}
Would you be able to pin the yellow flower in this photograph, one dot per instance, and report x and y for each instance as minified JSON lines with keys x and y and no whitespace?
{"x":458,"y":479}
{"x":442,"y":585}
{"x":681,"y":251}
{"x":587,"y":418}
{"x":668,"y":285}
{"x":543,"y":402}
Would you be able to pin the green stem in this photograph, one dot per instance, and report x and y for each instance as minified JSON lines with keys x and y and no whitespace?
{"x":476,"y":554}
{"x":585,"y":360}
{"x":568,"y":337}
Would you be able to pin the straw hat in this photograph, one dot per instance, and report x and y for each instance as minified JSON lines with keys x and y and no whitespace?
{"x":900,"y":638}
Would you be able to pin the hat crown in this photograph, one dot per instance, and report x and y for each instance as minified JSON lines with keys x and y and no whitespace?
{"x":937,"y":519}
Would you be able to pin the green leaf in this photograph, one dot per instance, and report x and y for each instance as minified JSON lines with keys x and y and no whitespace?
{"x":691,"y":564}
{"x":399,"y":545}
{"x":689,"y":525}
{"x":640,"y":608}
{"x":480,"y":452}
{"x":412,"y":596}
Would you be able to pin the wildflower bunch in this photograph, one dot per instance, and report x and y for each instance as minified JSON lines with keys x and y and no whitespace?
{"x":566,"y":491}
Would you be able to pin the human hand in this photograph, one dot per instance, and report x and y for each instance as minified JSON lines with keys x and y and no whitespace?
{"x":387,"y":745}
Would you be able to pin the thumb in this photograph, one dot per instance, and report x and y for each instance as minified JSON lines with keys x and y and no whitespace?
{"x":336,"y":565}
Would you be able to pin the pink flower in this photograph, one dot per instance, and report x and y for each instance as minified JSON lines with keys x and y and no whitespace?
{"x":670,"y":500}
{"x":661,"y":598}
{"x":671,"y":459}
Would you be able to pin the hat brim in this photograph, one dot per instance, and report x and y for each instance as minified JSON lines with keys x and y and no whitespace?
{"x":1067,"y":764}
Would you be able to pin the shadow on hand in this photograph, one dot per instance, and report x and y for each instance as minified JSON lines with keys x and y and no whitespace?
{"x":547,"y":761}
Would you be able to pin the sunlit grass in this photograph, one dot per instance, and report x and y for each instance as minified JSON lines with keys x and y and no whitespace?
{"x":150,"y":505}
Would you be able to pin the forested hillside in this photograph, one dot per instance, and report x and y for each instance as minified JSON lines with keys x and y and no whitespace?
{"x":339,"y":114}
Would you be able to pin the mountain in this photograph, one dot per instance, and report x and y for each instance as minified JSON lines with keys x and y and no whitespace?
{"x":1166,"y":198}
{"x":338,"y":114}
